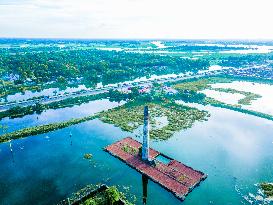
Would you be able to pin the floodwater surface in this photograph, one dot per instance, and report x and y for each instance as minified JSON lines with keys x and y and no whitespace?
{"x":234,"y":149}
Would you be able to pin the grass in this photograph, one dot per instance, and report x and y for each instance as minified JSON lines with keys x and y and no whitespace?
{"x":36,"y":130}
{"x":201,"y":84}
{"x":182,"y":178}
{"x":193,"y":85}
{"x":205,"y":83}
{"x":267,"y":189}
{"x":129,"y":149}
{"x":110,"y":196}
{"x":129,"y":117}
{"x":249,"y":97}
{"x":87,"y":156}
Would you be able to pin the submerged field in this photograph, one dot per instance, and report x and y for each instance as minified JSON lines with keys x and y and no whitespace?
{"x":238,"y":94}
{"x":165,"y":118}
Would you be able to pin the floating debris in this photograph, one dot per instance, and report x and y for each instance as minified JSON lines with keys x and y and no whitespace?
{"x":88,"y":156}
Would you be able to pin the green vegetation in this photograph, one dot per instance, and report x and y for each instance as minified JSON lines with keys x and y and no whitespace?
{"x":205,"y":83}
{"x":39,"y":108}
{"x":36,"y":70}
{"x":36,"y":130}
{"x":201,"y":83}
{"x":197,"y":85}
{"x":109,"y":197}
{"x":130,"y":116}
{"x":106,"y":196}
{"x":87,"y":156}
{"x":129,"y":149}
{"x":244,"y":101}
{"x":239,"y":61}
{"x":267,"y":189}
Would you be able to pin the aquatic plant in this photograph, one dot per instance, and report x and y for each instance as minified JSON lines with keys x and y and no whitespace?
{"x":205,"y":83}
{"x":244,"y":101}
{"x":36,"y":130}
{"x":87,"y":156}
{"x":129,"y":149}
{"x":130,"y":116}
{"x":267,"y":189}
{"x":97,"y":195}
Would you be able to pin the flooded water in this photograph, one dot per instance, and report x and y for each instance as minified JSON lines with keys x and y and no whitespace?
{"x":229,"y":98}
{"x":263,"y":104}
{"x":46,"y":92}
{"x":234,"y":149}
{"x":59,"y":115}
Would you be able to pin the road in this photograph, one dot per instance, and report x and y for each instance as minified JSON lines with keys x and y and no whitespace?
{"x":105,"y":89}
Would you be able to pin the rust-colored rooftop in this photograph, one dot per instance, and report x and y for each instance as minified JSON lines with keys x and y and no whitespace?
{"x":173,"y":176}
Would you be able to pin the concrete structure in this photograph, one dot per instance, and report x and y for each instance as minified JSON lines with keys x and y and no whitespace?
{"x":169,"y":173}
{"x":146,"y":136}
{"x":174,"y":176}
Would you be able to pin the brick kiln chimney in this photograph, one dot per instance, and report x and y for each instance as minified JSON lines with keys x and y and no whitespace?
{"x":146,"y":136}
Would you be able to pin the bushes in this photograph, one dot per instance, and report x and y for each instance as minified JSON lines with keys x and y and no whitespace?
{"x":267,"y":188}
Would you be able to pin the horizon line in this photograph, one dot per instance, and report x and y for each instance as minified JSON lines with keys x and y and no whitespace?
{"x":180,"y":39}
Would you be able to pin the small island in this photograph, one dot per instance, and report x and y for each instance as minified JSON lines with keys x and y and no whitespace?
{"x":267,"y":189}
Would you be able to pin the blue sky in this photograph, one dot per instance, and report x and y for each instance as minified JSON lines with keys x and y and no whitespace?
{"x":239,"y":19}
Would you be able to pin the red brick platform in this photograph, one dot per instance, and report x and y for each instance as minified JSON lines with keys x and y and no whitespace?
{"x":174,"y":176}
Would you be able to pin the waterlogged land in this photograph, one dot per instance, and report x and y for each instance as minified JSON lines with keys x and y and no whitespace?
{"x":219,"y":92}
{"x":30,"y":131}
{"x":97,"y":194}
{"x":129,"y":117}
{"x":57,"y":146}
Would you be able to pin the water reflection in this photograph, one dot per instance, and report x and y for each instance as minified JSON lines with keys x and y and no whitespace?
{"x":70,"y":136}
{"x":144,"y":188}
{"x":11,"y":151}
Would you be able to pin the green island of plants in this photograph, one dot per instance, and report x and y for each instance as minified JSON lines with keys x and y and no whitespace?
{"x":244,"y":101}
{"x":267,"y":189}
{"x":106,"y":196}
{"x":129,"y":117}
{"x":109,"y":197}
{"x":205,"y":83}
{"x":87,"y":156}
{"x":36,"y":130}
{"x":196,"y":85}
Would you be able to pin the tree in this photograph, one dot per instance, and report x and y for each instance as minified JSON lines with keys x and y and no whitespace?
{"x":61,"y":80}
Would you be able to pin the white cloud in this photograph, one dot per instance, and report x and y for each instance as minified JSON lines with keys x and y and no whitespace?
{"x":136,"y":18}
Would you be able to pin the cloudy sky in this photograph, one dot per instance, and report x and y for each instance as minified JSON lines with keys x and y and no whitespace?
{"x":179,"y":19}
